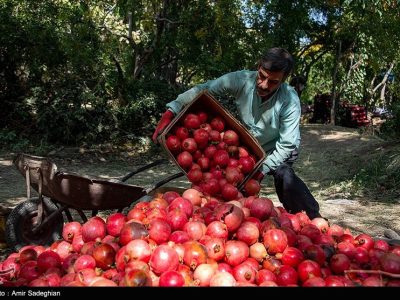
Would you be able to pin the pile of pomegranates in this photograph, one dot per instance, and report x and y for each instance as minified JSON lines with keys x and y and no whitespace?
{"x":192,"y":239}
{"x":215,"y":160}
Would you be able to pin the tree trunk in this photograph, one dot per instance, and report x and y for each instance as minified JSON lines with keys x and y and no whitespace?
{"x":382,"y":96}
{"x":372,"y":91}
{"x":334,"y":83}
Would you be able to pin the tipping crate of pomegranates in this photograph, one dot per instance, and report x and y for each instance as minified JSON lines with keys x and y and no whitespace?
{"x":215,"y":151}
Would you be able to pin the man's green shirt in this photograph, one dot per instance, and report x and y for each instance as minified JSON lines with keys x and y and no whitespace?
{"x":274,"y":123}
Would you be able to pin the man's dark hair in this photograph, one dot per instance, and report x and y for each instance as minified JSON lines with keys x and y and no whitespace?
{"x":277,"y":59}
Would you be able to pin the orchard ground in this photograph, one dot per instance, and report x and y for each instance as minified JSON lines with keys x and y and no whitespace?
{"x":330,"y":158}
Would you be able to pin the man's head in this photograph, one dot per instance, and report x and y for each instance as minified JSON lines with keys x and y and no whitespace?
{"x":273,"y":69}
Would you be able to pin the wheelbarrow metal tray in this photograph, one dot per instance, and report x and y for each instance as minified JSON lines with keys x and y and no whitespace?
{"x":86,"y":193}
{"x":76,"y":191}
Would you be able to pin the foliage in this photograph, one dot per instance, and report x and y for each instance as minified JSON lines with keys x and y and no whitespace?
{"x":391,"y":128}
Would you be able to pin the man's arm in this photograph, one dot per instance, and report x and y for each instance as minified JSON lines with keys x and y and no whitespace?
{"x":289,"y":137}
{"x":217,"y":87}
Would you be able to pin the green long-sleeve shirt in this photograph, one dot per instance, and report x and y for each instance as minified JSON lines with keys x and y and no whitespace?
{"x":274,"y":123}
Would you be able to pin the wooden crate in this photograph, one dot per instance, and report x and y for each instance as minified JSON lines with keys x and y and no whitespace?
{"x":207,"y":103}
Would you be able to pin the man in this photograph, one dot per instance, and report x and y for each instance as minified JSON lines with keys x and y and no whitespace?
{"x":270,"y":109}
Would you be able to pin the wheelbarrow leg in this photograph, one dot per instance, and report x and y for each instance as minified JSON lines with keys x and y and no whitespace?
{"x":69,"y":216}
{"x":82,"y":215}
{"x":41,"y":201}
{"x":45,"y":221}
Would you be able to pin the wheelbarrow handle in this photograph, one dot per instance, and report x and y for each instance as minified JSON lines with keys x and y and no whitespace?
{"x":150,"y":165}
{"x":164,"y":181}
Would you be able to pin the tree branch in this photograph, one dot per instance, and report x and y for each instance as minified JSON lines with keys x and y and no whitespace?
{"x":379,"y":272}
{"x":384,"y":78}
{"x":167,"y":20}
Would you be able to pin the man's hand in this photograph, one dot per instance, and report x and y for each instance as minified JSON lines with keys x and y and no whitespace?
{"x":258,"y":175}
{"x":166,"y":118}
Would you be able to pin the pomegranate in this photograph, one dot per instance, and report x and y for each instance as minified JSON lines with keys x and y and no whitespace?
{"x":221,"y":158}
{"x":183,"y":204}
{"x":315,"y":253}
{"x":314,"y":281}
{"x":286,"y":276}
{"x":373,"y":281}
{"x":182,"y":133}
{"x":131,"y":231}
{"x":231,"y":138}
{"x":195,"y":254}
{"x":170,"y":196}
{"x":173,"y":144}
{"x":231,"y":215}
{"x":364,"y":240}
{"x":163,"y":258}
{"x":171,"y":279}
{"x":193,"y":196}
{"x":201,"y":137}
{"x":346,"y":248}
{"x":215,"y":248}
{"x":217,"y":229}
{"x":215,"y":138}
{"x":292,"y":257}
{"x":246,"y":164}
{"x":94,"y":229}
{"x":159,"y":231}
{"x":244,"y":273}
{"x":30,"y":270}
{"x":191,"y":121}
{"x":68,"y":263}
{"x":114,"y":223}
{"x":185,"y":160}
{"x":232,"y":175}
{"x":229,"y":192}
{"x":382,"y":245}
{"x":48,"y":259}
{"x":252,"y":187}
{"x":195,"y":229}
{"x":265,"y":275}
{"x":218,"y":124}
{"x":275,"y":241}
{"x":248,"y":232}
{"x":179,"y":237}
{"x":138,"y":250}
{"x":390,"y":262}
{"x":361,"y":256}
{"x":84,"y":262}
{"x":258,"y":251}
{"x":339,"y":263}
{"x":261,"y":208}
{"x":26,"y":255}
{"x":70,"y":229}
{"x":308,"y":269}
{"x":189,"y":145}
{"x":210,"y":151}
{"x":176,"y":218}
{"x":236,"y":252}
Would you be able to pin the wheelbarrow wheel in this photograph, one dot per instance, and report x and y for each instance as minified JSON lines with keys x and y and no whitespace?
{"x":21,"y":220}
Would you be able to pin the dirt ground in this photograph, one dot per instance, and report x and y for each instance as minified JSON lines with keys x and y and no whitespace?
{"x":329,"y":157}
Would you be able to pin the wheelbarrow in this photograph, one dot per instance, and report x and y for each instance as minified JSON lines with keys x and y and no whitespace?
{"x":39,"y":220}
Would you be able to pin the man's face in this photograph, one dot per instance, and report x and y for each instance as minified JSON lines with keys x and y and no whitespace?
{"x":268,"y":81}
